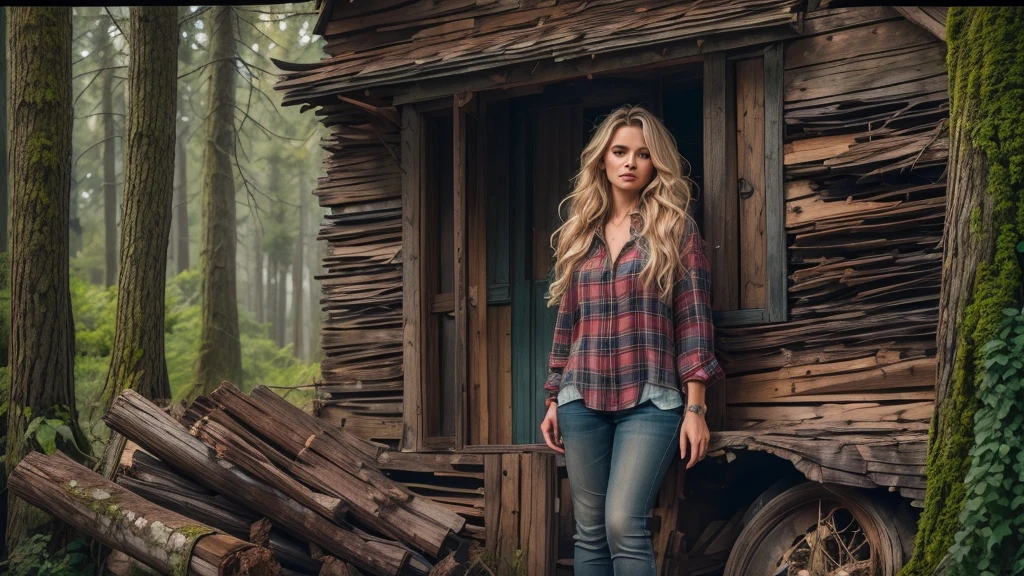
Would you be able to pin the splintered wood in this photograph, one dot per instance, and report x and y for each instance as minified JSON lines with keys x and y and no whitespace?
{"x":259,"y":468}
{"x":845,"y":388}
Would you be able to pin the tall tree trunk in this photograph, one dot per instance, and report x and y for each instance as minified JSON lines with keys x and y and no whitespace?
{"x":137,"y":359}
{"x":298,"y":263}
{"x":42,"y":329}
{"x":282,"y":303}
{"x":981,"y":273}
{"x":4,"y":210}
{"x":220,"y":352}
{"x":109,"y":179}
{"x":179,"y":218}
{"x":258,"y":307}
{"x":180,"y":210}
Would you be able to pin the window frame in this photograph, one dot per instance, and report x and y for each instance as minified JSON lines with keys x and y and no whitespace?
{"x":722,"y":183}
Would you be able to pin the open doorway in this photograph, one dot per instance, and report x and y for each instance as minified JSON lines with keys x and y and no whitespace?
{"x":534,"y":148}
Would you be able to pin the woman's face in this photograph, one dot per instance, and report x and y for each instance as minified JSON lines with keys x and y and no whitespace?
{"x":627,"y":163}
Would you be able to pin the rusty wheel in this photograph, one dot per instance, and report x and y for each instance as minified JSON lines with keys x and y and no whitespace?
{"x":818,"y":530}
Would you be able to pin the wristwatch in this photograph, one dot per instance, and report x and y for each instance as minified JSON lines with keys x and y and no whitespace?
{"x":699,"y":409}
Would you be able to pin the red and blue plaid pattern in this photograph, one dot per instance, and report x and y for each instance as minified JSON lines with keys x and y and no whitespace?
{"x":613,"y":336}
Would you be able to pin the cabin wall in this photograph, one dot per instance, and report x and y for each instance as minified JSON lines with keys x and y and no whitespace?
{"x":865,"y":104}
{"x":865,"y":153}
{"x":362,"y":281}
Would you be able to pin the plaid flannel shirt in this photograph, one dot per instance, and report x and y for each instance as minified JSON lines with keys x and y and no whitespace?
{"x":613,"y":336}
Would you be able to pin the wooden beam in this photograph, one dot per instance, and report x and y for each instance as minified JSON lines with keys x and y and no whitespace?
{"x":924,"y":19}
{"x":720,"y":198}
{"x":412,"y":281}
{"x":775,"y":212}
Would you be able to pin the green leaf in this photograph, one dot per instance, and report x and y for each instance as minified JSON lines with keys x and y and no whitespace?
{"x":47,"y":438}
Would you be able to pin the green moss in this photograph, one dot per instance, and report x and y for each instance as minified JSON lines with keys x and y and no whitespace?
{"x":975,"y":222}
{"x":986,"y":76}
{"x":111,"y":508}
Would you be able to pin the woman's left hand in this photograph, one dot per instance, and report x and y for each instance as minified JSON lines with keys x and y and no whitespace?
{"x":693,"y":438}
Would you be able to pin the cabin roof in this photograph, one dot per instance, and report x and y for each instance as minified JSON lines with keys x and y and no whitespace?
{"x":378,"y":44}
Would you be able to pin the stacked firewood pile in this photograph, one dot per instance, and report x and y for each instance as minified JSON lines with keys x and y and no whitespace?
{"x":263,"y":472}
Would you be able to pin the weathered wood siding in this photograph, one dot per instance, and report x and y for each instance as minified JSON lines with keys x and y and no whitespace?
{"x":362,"y":281}
{"x":844,"y":389}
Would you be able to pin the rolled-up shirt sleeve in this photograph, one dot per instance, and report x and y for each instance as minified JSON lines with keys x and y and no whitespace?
{"x":694,"y":331}
{"x":562,"y":340}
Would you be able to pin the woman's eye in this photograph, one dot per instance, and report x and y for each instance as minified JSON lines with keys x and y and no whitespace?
{"x":645,"y":155}
{"x":618,"y":152}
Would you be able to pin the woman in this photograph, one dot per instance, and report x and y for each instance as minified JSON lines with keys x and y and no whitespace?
{"x":633,"y":339}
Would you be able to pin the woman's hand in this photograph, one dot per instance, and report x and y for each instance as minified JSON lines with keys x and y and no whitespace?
{"x":549,"y":428}
{"x":693,"y":438}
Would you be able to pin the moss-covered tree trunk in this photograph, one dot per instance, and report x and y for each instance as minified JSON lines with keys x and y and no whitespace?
{"x":42,"y":331}
{"x":981,"y":273}
{"x":220,"y":353}
{"x":137,"y":359}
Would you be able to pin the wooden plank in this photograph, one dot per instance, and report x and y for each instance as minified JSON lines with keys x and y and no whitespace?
{"x":815,"y":149}
{"x":774,"y":190}
{"x":720,"y":200}
{"x":499,"y":364}
{"x":835,"y":19}
{"x":909,"y":374}
{"x":508,"y":522}
{"x":461,"y":192}
{"x":477,"y":173}
{"x":924,"y":19}
{"x":750,"y":169}
{"x":527,"y":487}
{"x":492,"y":499}
{"x":541,"y":548}
{"x":875,"y":38}
{"x":412,"y":287}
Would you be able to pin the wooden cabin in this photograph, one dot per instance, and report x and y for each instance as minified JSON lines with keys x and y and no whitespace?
{"x":816,"y":136}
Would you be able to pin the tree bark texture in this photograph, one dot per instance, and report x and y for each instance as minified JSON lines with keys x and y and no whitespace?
{"x":42,"y":330}
{"x":179,"y":210}
{"x":4,"y":192}
{"x":182,"y":259}
{"x":298,"y":263}
{"x":981,"y":273}
{"x":220,"y":353}
{"x":137,"y":359}
{"x":160,"y":538}
{"x":109,"y":178}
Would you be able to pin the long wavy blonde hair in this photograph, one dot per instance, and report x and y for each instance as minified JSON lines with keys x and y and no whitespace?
{"x":662,"y":204}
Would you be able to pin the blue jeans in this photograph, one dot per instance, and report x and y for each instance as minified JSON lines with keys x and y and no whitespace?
{"x":616,"y":462}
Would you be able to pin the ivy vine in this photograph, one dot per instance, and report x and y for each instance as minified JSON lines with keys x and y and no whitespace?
{"x":990,"y":539}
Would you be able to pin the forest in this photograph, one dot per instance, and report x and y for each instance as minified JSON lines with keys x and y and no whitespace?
{"x":220,"y":173}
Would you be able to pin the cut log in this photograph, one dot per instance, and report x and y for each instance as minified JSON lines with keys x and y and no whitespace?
{"x":164,"y":540}
{"x":337,"y":463}
{"x":141,"y":421}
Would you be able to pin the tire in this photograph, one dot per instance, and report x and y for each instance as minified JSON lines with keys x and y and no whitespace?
{"x":789,"y":523}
